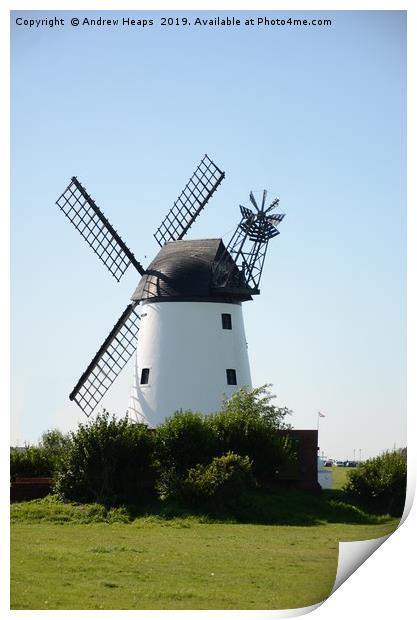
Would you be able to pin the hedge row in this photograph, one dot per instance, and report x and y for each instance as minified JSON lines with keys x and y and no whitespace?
{"x":199,"y":459}
{"x":192,"y":456}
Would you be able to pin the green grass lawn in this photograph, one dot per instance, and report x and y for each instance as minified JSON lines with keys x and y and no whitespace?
{"x":84,"y":557}
{"x":339,"y":476}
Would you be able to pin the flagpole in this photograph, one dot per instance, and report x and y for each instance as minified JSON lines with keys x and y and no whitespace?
{"x":319,"y":415}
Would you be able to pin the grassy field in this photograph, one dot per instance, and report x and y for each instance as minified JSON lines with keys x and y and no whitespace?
{"x":339,"y":476}
{"x":84,"y":557}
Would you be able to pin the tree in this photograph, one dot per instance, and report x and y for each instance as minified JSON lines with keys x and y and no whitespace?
{"x":258,"y":402}
{"x":54,"y":440}
{"x":247,"y":425}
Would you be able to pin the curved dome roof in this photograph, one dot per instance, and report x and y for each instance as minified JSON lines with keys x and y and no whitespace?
{"x":183,"y":270}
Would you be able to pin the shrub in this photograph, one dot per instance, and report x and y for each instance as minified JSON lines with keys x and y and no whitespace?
{"x":114,"y":461}
{"x":247,"y":425}
{"x":54,"y":441}
{"x":32,"y":461}
{"x":257,"y":402}
{"x":222,"y":482}
{"x":41,"y":460}
{"x":379,"y":484}
{"x":183,"y":441}
{"x":107,"y":461}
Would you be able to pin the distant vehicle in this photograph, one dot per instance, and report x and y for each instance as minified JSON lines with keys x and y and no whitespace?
{"x":328,"y":463}
{"x":340,"y":463}
{"x":351,"y":464}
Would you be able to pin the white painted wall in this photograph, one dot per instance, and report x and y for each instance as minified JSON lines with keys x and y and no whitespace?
{"x":187,"y":351}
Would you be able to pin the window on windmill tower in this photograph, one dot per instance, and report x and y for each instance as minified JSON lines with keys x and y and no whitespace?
{"x":226,"y":321}
{"x":231,"y":376}
{"x":144,"y":377}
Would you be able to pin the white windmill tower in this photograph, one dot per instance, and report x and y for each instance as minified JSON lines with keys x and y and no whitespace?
{"x":191,"y":347}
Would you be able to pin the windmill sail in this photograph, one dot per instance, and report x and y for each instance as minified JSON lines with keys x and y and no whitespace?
{"x":78,"y":206}
{"x":109,"y":360}
{"x":189,"y":204}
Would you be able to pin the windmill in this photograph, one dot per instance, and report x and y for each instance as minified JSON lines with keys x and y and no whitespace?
{"x":190,"y":350}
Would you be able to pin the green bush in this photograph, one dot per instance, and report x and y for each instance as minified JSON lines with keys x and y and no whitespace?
{"x":113,"y":461}
{"x":226,"y":477}
{"x":183,"y":441}
{"x":41,"y":460}
{"x":220,"y":483}
{"x":107,"y":461}
{"x":379,"y":484}
{"x":54,"y":441}
{"x":258,"y":402}
{"x":247,"y":425}
{"x":32,"y":461}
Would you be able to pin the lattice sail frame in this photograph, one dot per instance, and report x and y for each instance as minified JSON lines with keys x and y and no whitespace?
{"x":189,"y":204}
{"x":83,"y":213}
{"x":108,"y":362}
{"x":249,"y":244}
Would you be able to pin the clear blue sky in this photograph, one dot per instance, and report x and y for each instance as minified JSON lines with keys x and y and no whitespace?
{"x":315,"y":114}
